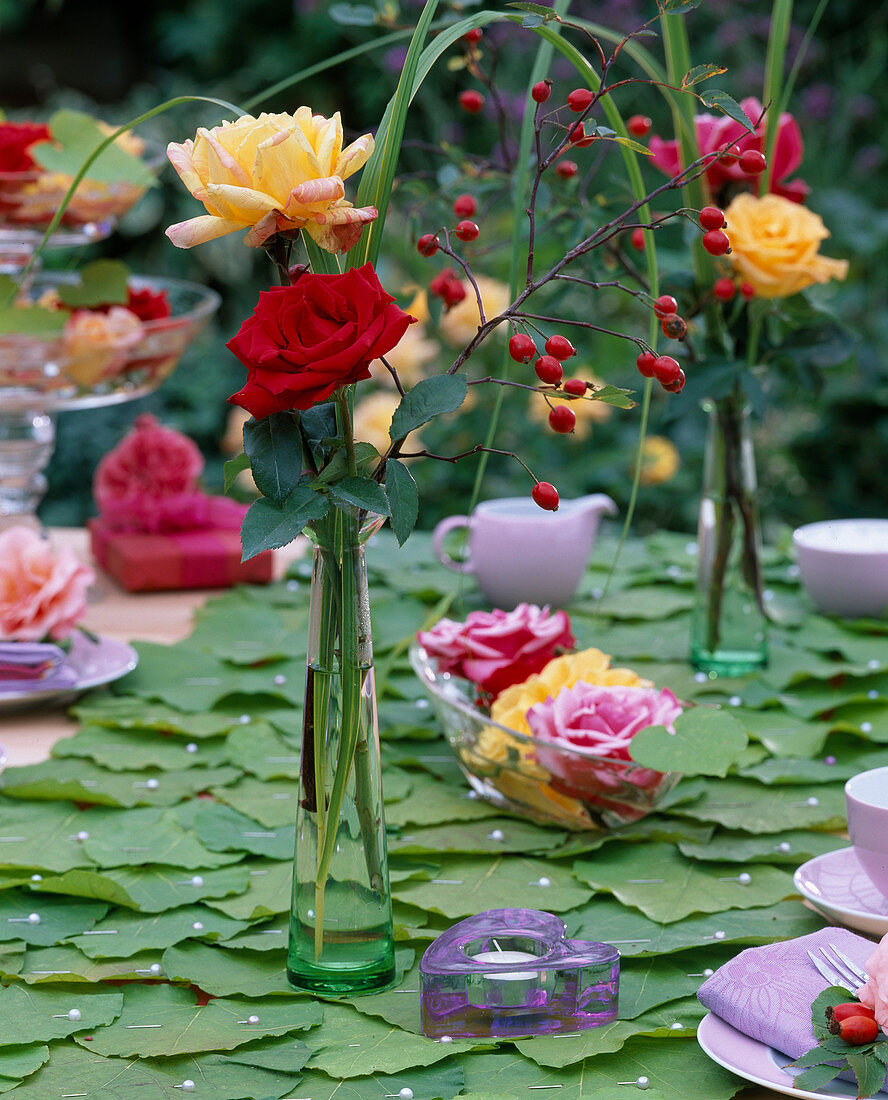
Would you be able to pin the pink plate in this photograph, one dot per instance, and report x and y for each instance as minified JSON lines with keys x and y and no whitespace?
{"x":837,"y":885}
{"x":759,"y":1063}
{"x":94,"y":662}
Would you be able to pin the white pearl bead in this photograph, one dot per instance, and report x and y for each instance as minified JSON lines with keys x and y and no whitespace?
{"x":279,"y":680}
{"x":708,"y":972}
{"x":36,"y":878}
{"x":642,"y":1083}
{"x":406,"y":1094}
{"x":154,"y":968}
{"x":744,"y":878}
{"x":252,"y":1019}
{"x":197,"y":880}
{"x":152,"y":784}
{"x":191,"y":746}
{"x":676,"y":1026}
{"x":74,"y":1015}
{"x":33,"y":918}
{"x":198,"y":926}
{"x":245,"y":719}
{"x":719,"y":935}
{"x":187,"y":1085}
{"x":446,"y":1039}
{"x":543,"y":881}
{"x":497,"y":834}
{"x":785,"y":846}
{"x":83,"y":835}
{"x":813,"y":801}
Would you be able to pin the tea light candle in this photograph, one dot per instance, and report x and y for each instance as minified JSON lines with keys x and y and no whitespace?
{"x":511,"y":989}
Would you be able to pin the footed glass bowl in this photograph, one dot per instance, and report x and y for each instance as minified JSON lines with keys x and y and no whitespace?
{"x":526,"y":776}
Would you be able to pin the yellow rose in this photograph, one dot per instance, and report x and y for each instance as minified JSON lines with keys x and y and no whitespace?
{"x":412,"y":353}
{"x":774,"y":245}
{"x":460,"y":324}
{"x":272,"y":174}
{"x":591,"y":666}
{"x":97,"y":346}
{"x":659,"y":460}
{"x":587,"y":412}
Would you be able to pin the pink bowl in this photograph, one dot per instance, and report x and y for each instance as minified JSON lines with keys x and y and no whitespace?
{"x":866,"y":799}
{"x":844,"y":565}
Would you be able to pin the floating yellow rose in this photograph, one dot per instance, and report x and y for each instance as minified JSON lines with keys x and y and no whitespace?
{"x":591,"y":666}
{"x":270,"y":174}
{"x":460,"y":323}
{"x":774,"y":245}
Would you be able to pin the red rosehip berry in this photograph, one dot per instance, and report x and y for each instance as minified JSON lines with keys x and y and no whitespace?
{"x":562,"y":419}
{"x":548,"y":370}
{"x":545,"y":495}
{"x":467,"y":231}
{"x":566,"y":169}
{"x":752,"y":162}
{"x":636,"y":239}
{"x":578,"y":137}
{"x":645,"y":363}
{"x":716,"y":242}
{"x":522,"y":348}
{"x":560,"y":347}
{"x":471,"y":101}
{"x":747,"y":290}
{"x":639,"y":125}
{"x":579,"y":99}
{"x":855,"y":1030}
{"x":724,"y":289}
{"x":427,"y":245}
{"x":295,"y":272}
{"x":678,"y":385}
{"x":664,"y":305}
{"x":465,"y":206}
{"x":846,"y":1009}
{"x":576,"y":387}
{"x":729,"y":155}
{"x":540,"y":92}
{"x":674,"y":326}
{"x":712,"y":218}
{"x":473,"y":36}
{"x":454,"y":292}
{"x":666,"y":370}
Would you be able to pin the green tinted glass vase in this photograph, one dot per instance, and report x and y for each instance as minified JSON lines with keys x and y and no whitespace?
{"x":729,"y":632}
{"x":341,"y":940}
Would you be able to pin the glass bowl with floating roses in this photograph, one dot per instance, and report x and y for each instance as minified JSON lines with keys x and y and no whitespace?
{"x":537,"y":728}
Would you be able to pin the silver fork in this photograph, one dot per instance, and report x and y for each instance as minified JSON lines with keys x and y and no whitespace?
{"x":839,"y":969}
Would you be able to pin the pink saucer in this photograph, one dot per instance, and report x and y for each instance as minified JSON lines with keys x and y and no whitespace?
{"x":836,"y":885}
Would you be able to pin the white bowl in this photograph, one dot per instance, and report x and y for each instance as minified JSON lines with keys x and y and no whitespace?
{"x":844,"y":565}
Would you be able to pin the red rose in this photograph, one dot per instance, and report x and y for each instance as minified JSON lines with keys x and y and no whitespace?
{"x":147,"y":304}
{"x":15,"y":140}
{"x":306,"y":340}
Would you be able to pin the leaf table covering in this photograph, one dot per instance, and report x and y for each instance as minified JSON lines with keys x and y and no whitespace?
{"x":163,"y":904}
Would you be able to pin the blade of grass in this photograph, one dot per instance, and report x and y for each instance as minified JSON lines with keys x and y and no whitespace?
{"x":775,"y":60}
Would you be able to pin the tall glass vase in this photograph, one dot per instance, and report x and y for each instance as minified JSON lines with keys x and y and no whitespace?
{"x":341,"y":940}
{"x":729,"y":632}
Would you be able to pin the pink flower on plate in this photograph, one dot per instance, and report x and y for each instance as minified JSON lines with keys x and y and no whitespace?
{"x":495,"y":649}
{"x":874,"y":993}
{"x":594,"y":724}
{"x":42,"y":592}
{"x":717,"y":131}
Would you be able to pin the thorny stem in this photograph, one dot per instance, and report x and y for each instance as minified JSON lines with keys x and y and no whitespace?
{"x":478,"y":449}
{"x":393,"y":373}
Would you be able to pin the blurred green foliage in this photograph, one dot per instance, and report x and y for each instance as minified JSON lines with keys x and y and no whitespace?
{"x":821,"y":453}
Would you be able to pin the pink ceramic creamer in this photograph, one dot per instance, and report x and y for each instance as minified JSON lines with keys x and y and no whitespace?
{"x":866,"y":800}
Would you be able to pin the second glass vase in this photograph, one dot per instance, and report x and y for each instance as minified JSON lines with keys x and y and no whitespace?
{"x":729,"y":632}
{"x":341,"y":940}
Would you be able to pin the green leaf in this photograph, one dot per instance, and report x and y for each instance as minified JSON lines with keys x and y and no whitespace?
{"x":74,"y":1069}
{"x":754,"y":808}
{"x":475,"y":837}
{"x":541,"y":10}
{"x":119,"y":750}
{"x":259,"y":750}
{"x":701,"y":72}
{"x":267,"y":895}
{"x":469,"y":885}
{"x":338,"y":467}
{"x":225,"y":830}
{"x":435,"y":1082}
{"x":403,"y":498}
{"x":817,"y":1076}
{"x":274,"y":448}
{"x":22,"y":1061}
{"x":353,"y":15}
{"x":434,"y":803}
{"x":101,"y":282}
{"x":28,"y":1014}
{"x":613,"y":395}
{"x":737,"y":847}
{"x":146,"y":836}
{"x":666,"y":886}
{"x":268,"y":527}
{"x":233,"y":467}
{"x":59,"y":918}
{"x":827,"y":998}
{"x":360,"y":492}
{"x":271,"y":802}
{"x":442,"y":393}
{"x":149,"y":888}
{"x":32,"y":321}
{"x":721,"y":101}
{"x":189,"y":1028}
{"x":126,"y":932}
{"x":818,"y":1056}
{"x":75,"y":136}
{"x":230,"y":973}
{"x":705,"y":742}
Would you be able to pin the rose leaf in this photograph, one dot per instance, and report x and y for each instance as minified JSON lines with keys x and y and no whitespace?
{"x":403,"y":497}
{"x":273,"y":446}
{"x":706,"y":742}
{"x":441,"y":393}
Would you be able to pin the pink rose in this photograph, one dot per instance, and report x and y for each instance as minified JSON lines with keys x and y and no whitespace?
{"x":874,"y":994}
{"x":716,"y":131}
{"x":42,"y":593}
{"x":598,"y":723}
{"x":148,"y":482}
{"x":495,"y":649}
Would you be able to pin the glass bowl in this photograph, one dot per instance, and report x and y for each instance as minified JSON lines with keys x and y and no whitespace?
{"x":54,"y":373}
{"x":545,"y":782}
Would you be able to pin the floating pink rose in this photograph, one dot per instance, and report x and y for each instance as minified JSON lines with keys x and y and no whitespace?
{"x":717,"y":131}
{"x":597,"y":724}
{"x":495,"y":649}
{"x":874,"y":993}
{"x":42,"y":592}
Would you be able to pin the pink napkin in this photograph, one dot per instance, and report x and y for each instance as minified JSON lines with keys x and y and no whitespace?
{"x":766,"y":992}
{"x":33,"y":666}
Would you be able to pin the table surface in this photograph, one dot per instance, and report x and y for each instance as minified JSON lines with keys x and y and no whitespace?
{"x":163,"y":617}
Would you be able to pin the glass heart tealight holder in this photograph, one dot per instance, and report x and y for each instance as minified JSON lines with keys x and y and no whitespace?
{"x":512,"y":972}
